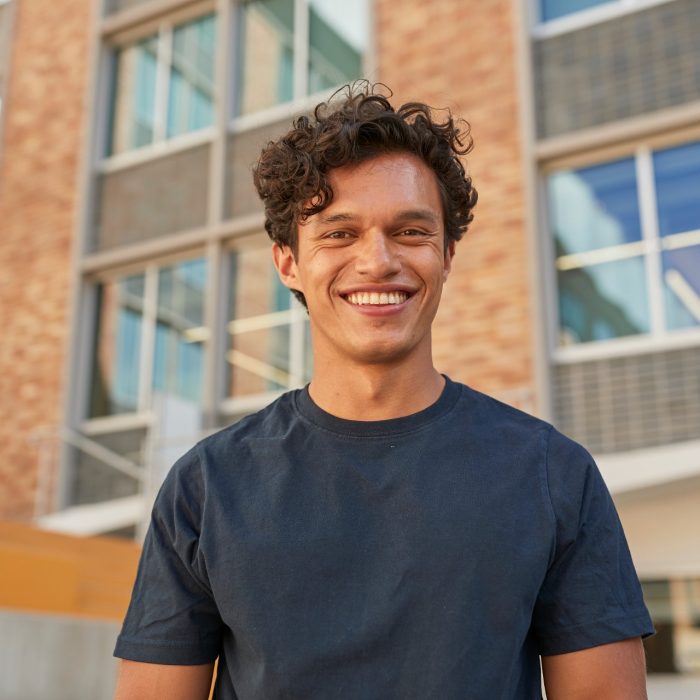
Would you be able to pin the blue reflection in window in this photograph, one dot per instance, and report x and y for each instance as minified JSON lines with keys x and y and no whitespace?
{"x":551,"y":9}
{"x":127,"y":347}
{"x":677,"y":173}
{"x":594,"y":207}
{"x":603,"y":301}
{"x":681,"y":276}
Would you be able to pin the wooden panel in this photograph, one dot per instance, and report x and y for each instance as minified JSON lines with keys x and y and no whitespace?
{"x":49,"y":572}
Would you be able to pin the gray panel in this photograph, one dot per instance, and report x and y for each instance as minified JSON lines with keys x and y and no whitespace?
{"x":635,"y":64}
{"x":46,"y":657}
{"x":164,"y":195}
{"x":94,"y":481}
{"x":626,"y":403}
{"x":243,"y":151}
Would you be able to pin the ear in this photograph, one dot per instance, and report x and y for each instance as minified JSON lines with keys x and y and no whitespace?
{"x":286,"y":266}
{"x":449,"y":254}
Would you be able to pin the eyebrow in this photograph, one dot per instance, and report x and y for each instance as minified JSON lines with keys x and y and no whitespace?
{"x":408,"y":215}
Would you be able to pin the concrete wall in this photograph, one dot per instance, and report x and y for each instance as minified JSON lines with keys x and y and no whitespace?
{"x":50,"y":657}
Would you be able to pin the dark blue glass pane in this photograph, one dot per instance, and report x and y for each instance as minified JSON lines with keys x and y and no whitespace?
{"x":681,"y":271}
{"x":677,"y":173}
{"x":551,"y":9}
{"x":594,"y":207}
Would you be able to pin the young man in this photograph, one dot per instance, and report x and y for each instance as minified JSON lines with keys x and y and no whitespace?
{"x":385,"y":532}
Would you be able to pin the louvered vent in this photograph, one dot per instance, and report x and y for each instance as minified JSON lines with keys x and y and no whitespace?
{"x":627,"y":403}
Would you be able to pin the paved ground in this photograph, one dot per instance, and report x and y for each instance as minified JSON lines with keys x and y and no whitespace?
{"x":673,"y":688}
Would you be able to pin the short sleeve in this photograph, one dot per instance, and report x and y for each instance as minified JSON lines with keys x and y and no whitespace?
{"x":172,"y":617}
{"x":591,"y":594}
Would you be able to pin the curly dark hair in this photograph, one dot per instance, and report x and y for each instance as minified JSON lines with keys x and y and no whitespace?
{"x":358,"y":123}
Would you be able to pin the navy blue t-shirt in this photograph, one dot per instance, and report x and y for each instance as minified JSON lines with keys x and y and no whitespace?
{"x":431,"y":556}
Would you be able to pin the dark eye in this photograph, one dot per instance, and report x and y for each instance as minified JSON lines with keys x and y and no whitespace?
{"x":412,"y":232}
{"x":338,"y":235}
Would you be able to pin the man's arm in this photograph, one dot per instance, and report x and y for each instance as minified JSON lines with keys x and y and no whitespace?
{"x":608,"y":672}
{"x":140,"y":681}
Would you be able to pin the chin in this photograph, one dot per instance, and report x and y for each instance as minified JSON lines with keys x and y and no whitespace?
{"x":381,"y":353}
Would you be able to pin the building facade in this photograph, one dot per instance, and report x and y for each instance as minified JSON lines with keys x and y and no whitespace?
{"x":141,"y":310}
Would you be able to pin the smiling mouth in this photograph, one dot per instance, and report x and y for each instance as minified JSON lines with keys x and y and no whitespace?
{"x":376,"y":298}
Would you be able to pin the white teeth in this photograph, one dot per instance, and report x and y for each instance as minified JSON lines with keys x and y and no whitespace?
{"x":377,"y":298}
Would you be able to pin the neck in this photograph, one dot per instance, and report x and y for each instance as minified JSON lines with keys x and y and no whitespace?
{"x":375,"y":392}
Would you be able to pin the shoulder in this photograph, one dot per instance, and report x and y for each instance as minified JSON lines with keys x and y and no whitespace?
{"x":270,"y":422}
{"x":500,"y":422}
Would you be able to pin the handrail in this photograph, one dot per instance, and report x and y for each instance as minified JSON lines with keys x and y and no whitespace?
{"x":110,"y":458}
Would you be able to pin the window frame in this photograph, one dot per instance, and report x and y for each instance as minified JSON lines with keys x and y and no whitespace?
{"x":651,"y":247}
{"x":116,"y":36}
{"x":163,"y":29}
{"x":216,"y":344}
{"x":543,"y":29}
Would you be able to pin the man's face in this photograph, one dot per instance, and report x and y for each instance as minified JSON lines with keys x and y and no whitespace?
{"x":372,"y":264}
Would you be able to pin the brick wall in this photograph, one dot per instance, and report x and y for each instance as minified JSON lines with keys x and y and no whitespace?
{"x":42,"y":137}
{"x":464,"y":58}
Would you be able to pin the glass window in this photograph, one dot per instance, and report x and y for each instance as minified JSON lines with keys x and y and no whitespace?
{"x":115,"y":376}
{"x":269,"y":57}
{"x":337,"y":42}
{"x":269,"y":341}
{"x":180,"y":331}
{"x":176,"y":330}
{"x":133,"y":102}
{"x":604,"y":263}
{"x":677,"y":179}
{"x":266,"y":38}
{"x":191,"y":92}
{"x":595,"y":207}
{"x":599,"y":302}
{"x":137,"y":90}
{"x":681,"y":277}
{"x":551,"y":9}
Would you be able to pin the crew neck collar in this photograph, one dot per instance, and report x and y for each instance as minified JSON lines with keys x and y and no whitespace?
{"x":393,"y":426}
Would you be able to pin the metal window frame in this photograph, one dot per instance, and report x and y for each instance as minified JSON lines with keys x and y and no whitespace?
{"x":659,"y":338}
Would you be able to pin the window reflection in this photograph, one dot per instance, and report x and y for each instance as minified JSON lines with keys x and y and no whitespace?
{"x":551,"y":9}
{"x":266,"y":58}
{"x":600,"y":302}
{"x":262,"y":327}
{"x":677,"y":174}
{"x":681,"y":278}
{"x":595,"y":207}
{"x":133,"y":97}
{"x":337,"y":42}
{"x":191,"y":93}
{"x":141,"y":70}
{"x":115,"y":384}
{"x":180,"y":331}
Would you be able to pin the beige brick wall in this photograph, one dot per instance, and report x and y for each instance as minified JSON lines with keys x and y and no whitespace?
{"x":462,"y":55}
{"x":42,"y":137}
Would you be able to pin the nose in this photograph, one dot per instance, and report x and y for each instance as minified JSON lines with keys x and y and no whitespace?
{"x":377,"y":257}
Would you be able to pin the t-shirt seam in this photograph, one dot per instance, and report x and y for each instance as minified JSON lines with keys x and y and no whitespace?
{"x":642,"y":614}
{"x":381,"y":436}
{"x":164,"y":642}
